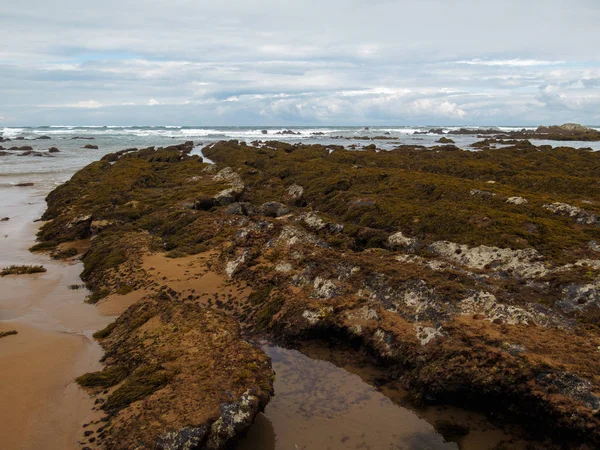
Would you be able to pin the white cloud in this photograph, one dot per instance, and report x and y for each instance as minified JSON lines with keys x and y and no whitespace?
{"x":511,"y":62}
{"x":236,"y":62}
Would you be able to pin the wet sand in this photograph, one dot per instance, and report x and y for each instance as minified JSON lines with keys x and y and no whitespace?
{"x":41,"y":406}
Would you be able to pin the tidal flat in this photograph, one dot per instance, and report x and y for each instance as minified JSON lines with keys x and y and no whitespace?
{"x":468,"y":281}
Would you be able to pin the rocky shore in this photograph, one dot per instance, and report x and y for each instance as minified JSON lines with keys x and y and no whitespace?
{"x":566,"y":132}
{"x":473,"y":276}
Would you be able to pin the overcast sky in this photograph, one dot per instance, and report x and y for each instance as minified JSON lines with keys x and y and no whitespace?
{"x":304,"y":62}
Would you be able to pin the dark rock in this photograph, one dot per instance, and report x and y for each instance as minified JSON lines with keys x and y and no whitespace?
{"x":366,"y":129}
{"x":5,"y":219}
{"x":43,"y":137}
{"x":2,"y":153}
{"x":436,"y":131}
{"x":290,"y":132}
{"x":185,"y":438}
{"x":370,"y":147}
{"x":24,"y":184}
{"x":53,"y":150}
{"x":318,"y":133}
{"x":235,"y":419}
{"x":241,"y":209}
{"x":445,"y":140}
{"x":204,"y":204}
{"x":25,"y":148}
{"x":86,"y":138}
{"x":387,"y":133}
{"x":20,"y":138}
{"x":91,"y":146}
{"x":273,"y":209}
{"x":264,"y":131}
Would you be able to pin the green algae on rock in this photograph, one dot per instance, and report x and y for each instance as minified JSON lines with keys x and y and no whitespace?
{"x":462,"y":269}
{"x":21,"y":270}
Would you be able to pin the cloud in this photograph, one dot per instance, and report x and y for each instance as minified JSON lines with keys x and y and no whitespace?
{"x":511,"y":62}
{"x":333,"y":62}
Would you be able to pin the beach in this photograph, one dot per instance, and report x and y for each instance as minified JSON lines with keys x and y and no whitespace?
{"x":250,"y":255}
{"x":41,"y":403}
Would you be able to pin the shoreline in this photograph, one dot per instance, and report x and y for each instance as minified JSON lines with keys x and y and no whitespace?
{"x":235,"y":256}
{"x":42,"y":406}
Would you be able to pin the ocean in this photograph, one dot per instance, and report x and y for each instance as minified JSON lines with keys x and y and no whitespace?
{"x":53,"y":169}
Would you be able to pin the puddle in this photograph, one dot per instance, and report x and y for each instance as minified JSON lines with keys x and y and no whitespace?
{"x":332,"y":398}
{"x":318,"y":405}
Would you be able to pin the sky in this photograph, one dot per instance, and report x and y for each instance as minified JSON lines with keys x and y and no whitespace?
{"x":306,"y":62}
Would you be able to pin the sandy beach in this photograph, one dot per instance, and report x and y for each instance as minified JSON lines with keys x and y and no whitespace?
{"x":42,"y":407}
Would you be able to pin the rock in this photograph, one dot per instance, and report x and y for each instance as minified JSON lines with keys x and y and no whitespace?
{"x":84,"y":138}
{"x":517,"y":201}
{"x":480,"y":193}
{"x":204,"y":204}
{"x":2,"y":153}
{"x":594,"y":246}
{"x":27,"y":184}
{"x":231,"y":194}
{"x":53,"y":150}
{"x":5,"y":219}
{"x":235,"y":419}
{"x":25,"y":148}
{"x":445,"y":140}
{"x":366,"y":129}
{"x":273,"y":209}
{"x":91,"y":146}
{"x":96,"y":226}
{"x":288,"y":132}
{"x":43,"y":137}
{"x":521,"y":263}
{"x":183,"y":439}
{"x":317,"y":133}
{"x":325,"y":289}
{"x":387,"y":133}
{"x":436,"y":131}
{"x":398,"y":240}
{"x":580,"y":216}
{"x":294,"y":194}
{"x":264,"y":131}
{"x":20,"y":138}
{"x":370,"y":147}
{"x":241,"y":209}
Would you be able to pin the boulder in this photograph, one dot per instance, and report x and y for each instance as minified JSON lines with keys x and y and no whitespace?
{"x":264,"y":131}
{"x":241,"y":209}
{"x":273,"y":209}
{"x":399,"y":240}
{"x":44,"y":137}
{"x":53,"y":150}
{"x":445,"y":140}
{"x":294,"y":194}
{"x":91,"y":146}
{"x":581,"y":216}
{"x":517,"y":201}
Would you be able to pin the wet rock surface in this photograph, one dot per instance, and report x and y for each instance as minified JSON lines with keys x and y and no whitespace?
{"x":472,"y":298}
